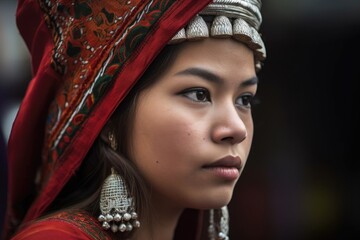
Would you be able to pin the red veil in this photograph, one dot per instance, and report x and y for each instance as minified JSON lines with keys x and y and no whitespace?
{"x":85,"y":55}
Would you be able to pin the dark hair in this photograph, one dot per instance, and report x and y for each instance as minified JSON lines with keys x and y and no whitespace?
{"x":83,"y":189}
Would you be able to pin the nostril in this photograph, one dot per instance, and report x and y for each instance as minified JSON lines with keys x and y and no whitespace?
{"x":227,"y":139}
{"x":234,"y":140}
{"x":229,"y":133}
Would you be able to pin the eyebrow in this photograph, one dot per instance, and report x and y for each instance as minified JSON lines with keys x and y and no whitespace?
{"x":212,"y":77}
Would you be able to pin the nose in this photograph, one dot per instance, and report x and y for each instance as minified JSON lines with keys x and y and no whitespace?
{"x":229,"y":127}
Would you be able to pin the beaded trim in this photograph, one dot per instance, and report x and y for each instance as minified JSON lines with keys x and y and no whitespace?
{"x":237,"y":19}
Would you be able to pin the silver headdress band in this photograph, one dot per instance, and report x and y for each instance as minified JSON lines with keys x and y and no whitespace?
{"x":239,"y":19}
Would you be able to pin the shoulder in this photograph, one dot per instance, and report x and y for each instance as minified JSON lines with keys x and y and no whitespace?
{"x":48,"y":229}
{"x":63,"y":225}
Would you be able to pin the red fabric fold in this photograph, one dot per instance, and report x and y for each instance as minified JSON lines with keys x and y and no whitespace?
{"x":27,"y":137}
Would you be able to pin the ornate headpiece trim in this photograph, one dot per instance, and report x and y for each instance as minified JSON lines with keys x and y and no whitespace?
{"x":239,"y":19}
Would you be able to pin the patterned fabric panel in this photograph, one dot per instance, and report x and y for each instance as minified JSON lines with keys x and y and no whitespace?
{"x":93,"y":40}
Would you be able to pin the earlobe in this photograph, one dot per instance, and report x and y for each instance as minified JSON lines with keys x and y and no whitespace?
{"x":106,"y":132}
{"x":112,"y":140}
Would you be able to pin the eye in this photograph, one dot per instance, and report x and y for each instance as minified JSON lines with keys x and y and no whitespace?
{"x":245,"y":101}
{"x":197,"y":94}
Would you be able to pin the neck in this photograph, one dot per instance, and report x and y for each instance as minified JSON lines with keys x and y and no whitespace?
{"x":163,"y":221}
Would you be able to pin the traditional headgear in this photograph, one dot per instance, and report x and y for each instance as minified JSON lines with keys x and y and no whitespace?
{"x":238,"y":19}
{"x":86,"y":55}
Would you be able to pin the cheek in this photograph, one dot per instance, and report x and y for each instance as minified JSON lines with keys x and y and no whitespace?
{"x":163,"y":138}
{"x":249,"y":138}
{"x":249,"y":128}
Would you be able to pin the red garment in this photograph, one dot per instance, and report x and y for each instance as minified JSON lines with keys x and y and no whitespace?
{"x":80,"y":225}
{"x":63,"y":225}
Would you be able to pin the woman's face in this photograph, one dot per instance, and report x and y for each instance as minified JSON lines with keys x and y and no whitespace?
{"x":193,"y":128}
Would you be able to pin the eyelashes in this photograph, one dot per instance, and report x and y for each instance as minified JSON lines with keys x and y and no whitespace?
{"x":244,"y":101}
{"x":202,"y":95}
{"x":197,"y":94}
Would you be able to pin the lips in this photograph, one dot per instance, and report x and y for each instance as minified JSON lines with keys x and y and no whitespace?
{"x":226,"y":162}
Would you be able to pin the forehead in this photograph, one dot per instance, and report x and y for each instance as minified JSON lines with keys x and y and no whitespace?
{"x":220,"y":55}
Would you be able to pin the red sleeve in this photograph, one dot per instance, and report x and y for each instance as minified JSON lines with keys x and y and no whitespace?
{"x":51,"y":230}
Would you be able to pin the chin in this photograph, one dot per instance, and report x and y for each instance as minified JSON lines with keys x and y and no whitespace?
{"x":213,"y":201}
{"x":219,"y":204}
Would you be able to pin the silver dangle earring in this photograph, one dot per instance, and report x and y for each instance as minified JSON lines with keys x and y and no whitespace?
{"x":116,"y":206}
{"x":219,"y":224}
{"x":117,"y":209}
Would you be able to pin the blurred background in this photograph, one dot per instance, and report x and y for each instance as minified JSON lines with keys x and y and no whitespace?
{"x":302,"y":177}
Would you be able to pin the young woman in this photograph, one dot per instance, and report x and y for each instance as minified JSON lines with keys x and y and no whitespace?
{"x":137,"y":124}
